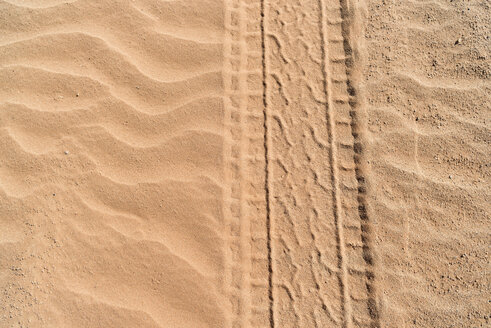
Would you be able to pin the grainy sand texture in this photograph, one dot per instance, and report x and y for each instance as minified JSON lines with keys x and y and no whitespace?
{"x":245,"y":163}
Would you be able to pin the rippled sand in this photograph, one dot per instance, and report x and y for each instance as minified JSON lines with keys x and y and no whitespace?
{"x":244,"y":163}
{"x":111,"y":141}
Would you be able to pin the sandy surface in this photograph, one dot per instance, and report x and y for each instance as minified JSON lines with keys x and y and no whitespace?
{"x":245,"y":163}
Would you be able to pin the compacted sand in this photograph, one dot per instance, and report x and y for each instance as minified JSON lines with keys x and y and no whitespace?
{"x":245,"y":163}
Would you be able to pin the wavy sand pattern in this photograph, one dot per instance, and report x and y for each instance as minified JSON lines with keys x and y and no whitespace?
{"x":111,"y":129}
{"x":244,"y":163}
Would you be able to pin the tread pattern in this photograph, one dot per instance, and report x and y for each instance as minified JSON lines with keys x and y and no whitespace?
{"x":247,"y":278}
{"x":300,"y":244}
{"x":306,"y":290}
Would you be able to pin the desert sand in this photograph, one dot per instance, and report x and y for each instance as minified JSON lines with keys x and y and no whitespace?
{"x":245,"y":163}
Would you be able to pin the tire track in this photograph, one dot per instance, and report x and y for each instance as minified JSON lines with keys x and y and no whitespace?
{"x":342,"y":275}
{"x":267,"y":147}
{"x":248,"y":204}
{"x":306,"y":291}
{"x":305,"y":253}
{"x":361,"y":305}
{"x":358,"y":130}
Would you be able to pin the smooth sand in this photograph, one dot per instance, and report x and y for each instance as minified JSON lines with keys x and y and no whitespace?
{"x":244,"y":163}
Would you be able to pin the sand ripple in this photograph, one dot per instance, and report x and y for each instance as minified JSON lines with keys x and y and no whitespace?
{"x":111,"y":133}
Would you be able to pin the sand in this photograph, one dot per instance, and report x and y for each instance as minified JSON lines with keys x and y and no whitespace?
{"x":244,"y":163}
